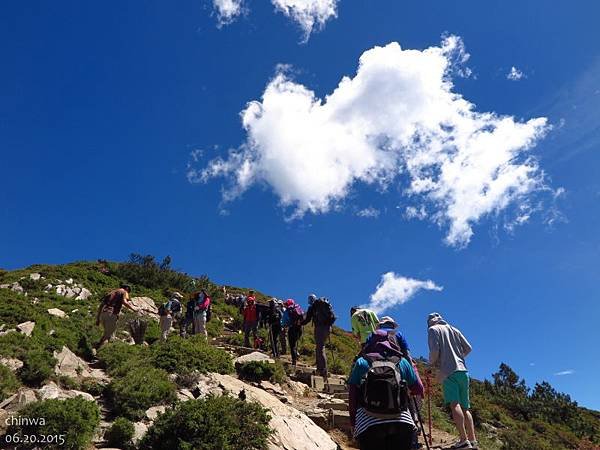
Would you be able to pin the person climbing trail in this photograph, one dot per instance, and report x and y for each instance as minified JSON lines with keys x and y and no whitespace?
{"x":292,"y":320}
{"x":274,"y":324}
{"x":109,"y":310}
{"x":250,"y":324}
{"x":364,"y":322}
{"x":201,"y":312}
{"x":448,"y":349}
{"x":322,"y":316}
{"x":167,"y":312}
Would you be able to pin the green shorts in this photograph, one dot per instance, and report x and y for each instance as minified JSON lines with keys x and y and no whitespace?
{"x":456,"y":389}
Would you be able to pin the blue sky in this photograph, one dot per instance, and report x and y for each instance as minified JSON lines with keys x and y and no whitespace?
{"x":103,"y":107}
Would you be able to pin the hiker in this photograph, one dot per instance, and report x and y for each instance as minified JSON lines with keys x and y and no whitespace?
{"x":379,"y":386}
{"x":274,"y":321}
{"x":201,"y":312}
{"x":292,"y":320}
{"x":447,"y":351}
{"x":389,"y":324}
{"x":167,"y":312}
{"x":188,"y":318}
{"x":109,"y":309}
{"x":250,"y":315}
{"x":321,"y":314}
{"x":364,"y":322}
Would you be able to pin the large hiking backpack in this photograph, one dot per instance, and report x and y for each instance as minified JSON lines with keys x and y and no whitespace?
{"x":209,"y":312}
{"x":384,"y":393}
{"x":323,"y":312}
{"x":296,"y":314}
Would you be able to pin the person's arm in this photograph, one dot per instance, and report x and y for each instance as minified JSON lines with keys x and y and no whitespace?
{"x":130,"y":305}
{"x":434,"y":347}
{"x":412,"y":380}
{"x":465,"y":345}
{"x":309,"y":316}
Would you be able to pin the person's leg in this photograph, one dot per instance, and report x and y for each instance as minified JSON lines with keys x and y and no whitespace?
{"x":399,"y":437}
{"x":293,"y":338}
{"x":283,"y":341}
{"x":246,"y":328}
{"x":451,"y":388}
{"x":202,"y":325}
{"x":374,"y":438}
{"x":465,"y":403}
{"x":162,"y":323}
{"x":321,"y":361}
{"x":470,"y":426}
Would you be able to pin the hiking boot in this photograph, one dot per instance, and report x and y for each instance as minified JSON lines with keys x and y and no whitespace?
{"x":460,"y":444}
{"x":474,"y":445}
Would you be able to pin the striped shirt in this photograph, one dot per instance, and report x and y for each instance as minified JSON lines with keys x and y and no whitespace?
{"x":363,"y":420}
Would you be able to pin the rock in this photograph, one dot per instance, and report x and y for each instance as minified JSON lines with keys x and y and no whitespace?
{"x":69,"y":281}
{"x":272,"y":388}
{"x":12,"y":363}
{"x":84,"y":294}
{"x":26,"y":328}
{"x":254,"y":356}
{"x":10,"y":330}
{"x":140,"y":429}
{"x":17,"y":401}
{"x":147,"y":305}
{"x":74,"y":310}
{"x":51,"y":390}
{"x":185,"y":395}
{"x":51,"y":332}
{"x":48,"y":287}
{"x":4,"y":286}
{"x":293,"y":429}
{"x":70,"y":365}
{"x":16,"y":287}
{"x":35,"y":276}
{"x":153,"y":412}
{"x":57,"y":313}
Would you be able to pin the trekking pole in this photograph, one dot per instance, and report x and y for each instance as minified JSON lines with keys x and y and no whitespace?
{"x":428,"y":392}
{"x":331,"y":350}
{"x":421,"y":425}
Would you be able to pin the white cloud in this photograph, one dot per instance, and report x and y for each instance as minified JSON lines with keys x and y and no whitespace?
{"x":515,"y":74}
{"x":368,"y":212}
{"x":397,"y":120}
{"x":565,"y":372}
{"x":395,"y":290}
{"x":228,"y":10}
{"x":311,"y":15}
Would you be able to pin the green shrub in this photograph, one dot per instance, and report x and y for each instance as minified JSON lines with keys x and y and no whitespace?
{"x":139,"y":389}
{"x":181,"y":355}
{"x":261,"y":370}
{"x":120,"y":433}
{"x":119,"y":357}
{"x":73,"y":420}
{"x":236,"y":339}
{"x":8,"y":382}
{"x":214,"y":327}
{"x":92,"y":386}
{"x":38,"y":365}
{"x":214,"y":423}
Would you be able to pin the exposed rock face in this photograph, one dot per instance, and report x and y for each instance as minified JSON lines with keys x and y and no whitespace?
{"x":153,"y":412}
{"x":12,"y":363}
{"x":51,"y":390}
{"x":57,"y":313}
{"x":140,"y":429}
{"x":70,"y":365}
{"x":26,"y":328}
{"x":35,"y":276}
{"x":17,"y":401}
{"x":70,"y":290}
{"x":293,"y":429}
{"x":15,"y":287}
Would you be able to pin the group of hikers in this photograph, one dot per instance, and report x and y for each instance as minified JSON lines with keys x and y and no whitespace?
{"x":385,"y":389}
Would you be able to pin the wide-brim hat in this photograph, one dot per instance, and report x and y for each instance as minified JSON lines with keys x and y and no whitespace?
{"x":387,"y":322}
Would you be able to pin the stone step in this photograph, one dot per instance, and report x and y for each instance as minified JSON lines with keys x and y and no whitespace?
{"x":341,"y":395}
{"x":332,"y":388}
{"x":337,"y":406}
{"x":341,"y":420}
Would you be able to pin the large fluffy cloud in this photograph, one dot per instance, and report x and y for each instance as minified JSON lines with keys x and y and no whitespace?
{"x":398,"y":120}
{"x":395,"y":290}
{"x":309,"y":14}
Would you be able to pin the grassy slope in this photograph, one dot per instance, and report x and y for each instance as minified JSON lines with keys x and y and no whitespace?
{"x":79,"y":332}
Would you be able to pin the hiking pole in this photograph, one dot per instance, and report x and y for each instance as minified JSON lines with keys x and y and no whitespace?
{"x":421,"y":425}
{"x":428,"y":391}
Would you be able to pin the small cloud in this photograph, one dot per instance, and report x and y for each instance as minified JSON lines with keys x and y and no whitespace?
{"x":228,"y":11}
{"x":369,"y":212}
{"x":564,"y":372}
{"x":310,"y":15}
{"x":415,"y":213}
{"x":515,"y":74}
{"x":531,"y":364}
{"x":395,"y":290}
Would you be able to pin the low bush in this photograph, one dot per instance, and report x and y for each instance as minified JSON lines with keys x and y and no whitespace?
{"x":92,"y":386}
{"x":181,"y":355}
{"x":261,"y":370}
{"x":119,"y":357}
{"x":38,"y":365}
{"x":139,"y":389}
{"x":64,"y":424}
{"x":214,"y":423}
{"x":120,"y":434}
{"x":8,"y":382}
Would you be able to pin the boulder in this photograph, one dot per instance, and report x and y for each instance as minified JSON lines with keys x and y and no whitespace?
{"x":153,"y":412}
{"x":84,"y":294}
{"x":140,"y":429}
{"x":12,"y":363}
{"x":15,"y":287}
{"x":254,"y":356}
{"x":293,"y":429}
{"x":35,"y":276}
{"x":57,"y":313}
{"x":185,"y":395}
{"x":147,"y":306}
{"x":26,"y":328}
{"x":52,"y":390}
{"x":70,"y":365}
{"x":17,"y":401}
